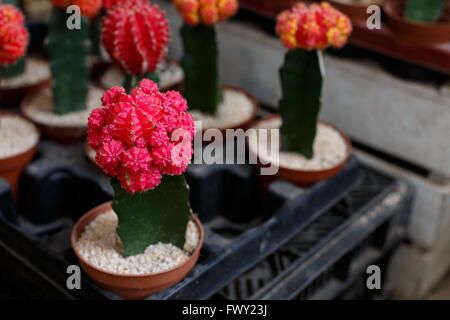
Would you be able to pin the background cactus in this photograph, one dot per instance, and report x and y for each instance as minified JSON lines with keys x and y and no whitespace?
{"x":203,"y":89}
{"x":68,"y":51}
{"x":136,"y":35}
{"x":144,"y":140}
{"x":424,"y":10}
{"x":11,"y":12}
{"x":305,"y":31}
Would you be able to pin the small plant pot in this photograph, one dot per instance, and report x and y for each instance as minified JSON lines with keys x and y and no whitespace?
{"x":355,"y":11}
{"x":131,"y":286}
{"x":11,"y":96}
{"x":62,"y":134}
{"x":303,"y":178}
{"x":244,"y":124}
{"x":416,"y":32}
{"x":171,"y":85}
{"x":11,"y":167}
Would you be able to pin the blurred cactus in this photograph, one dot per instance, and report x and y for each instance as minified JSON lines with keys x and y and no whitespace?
{"x":17,"y":68}
{"x":424,"y":10}
{"x":202,"y":87}
{"x":305,"y":31}
{"x":68,"y":51}
{"x":136,"y":35}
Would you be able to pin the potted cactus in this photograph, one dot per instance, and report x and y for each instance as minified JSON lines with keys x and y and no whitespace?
{"x":419,"y":21}
{"x":147,"y":239}
{"x":63,"y":110}
{"x":309,"y":150}
{"x":217,"y":106}
{"x":26,"y":74}
{"x":18,"y":137}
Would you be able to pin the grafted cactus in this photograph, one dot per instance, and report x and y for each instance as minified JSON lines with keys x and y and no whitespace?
{"x":305,"y":31}
{"x":144,"y":140}
{"x":424,"y":10}
{"x":11,"y":13}
{"x":136,"y":35}
{"x":203,"y":89}
{"x":68,"y":51}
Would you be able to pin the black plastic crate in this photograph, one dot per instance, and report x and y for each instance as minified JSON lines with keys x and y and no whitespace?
{"x":61,"y":184}
{"x":328,"y":259}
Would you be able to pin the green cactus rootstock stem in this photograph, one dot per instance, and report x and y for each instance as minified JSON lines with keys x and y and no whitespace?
{"x":301,"y":82}
{"x":202,"y":87}
{"x":158,"y":215}
{"x":424,"y":10}
{"x":13,"y":70}
{"x":68,"y":50}
{"x":131,"y":81}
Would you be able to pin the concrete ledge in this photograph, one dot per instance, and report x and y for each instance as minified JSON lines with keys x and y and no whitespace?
{"x":413,"y":273}
{"x":431,"y":208}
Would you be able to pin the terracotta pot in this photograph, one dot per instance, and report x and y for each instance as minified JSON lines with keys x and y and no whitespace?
{"x":416,"y":32}
{"x":305,"y":178}
{"x":356,"y":12}
{"x":176,"y":86}
{"x":131,"y":286}
{"x":12,"y":97}
{"x":65,"y":135}
{"x":246,"y":124}
{"x":12,"y":167}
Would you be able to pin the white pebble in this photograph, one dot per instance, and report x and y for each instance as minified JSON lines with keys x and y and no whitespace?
{"x":17,"y":135}
{"x":329,"y":147}
{"x":41,"y":109}
{"x":36,"y":71}
{"x":100,"y":245}
{"x":169,"y":73}
{"x":236,"y":108}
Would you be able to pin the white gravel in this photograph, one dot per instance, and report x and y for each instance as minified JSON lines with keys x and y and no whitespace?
{"x":236,"y":108}
{"x":330,"y":148}
{"x":169,"y":72}
{"x":17,"y":135}
{"x":41,"y":109}
{"x":36,"y":71}
{"x":101,"y":246}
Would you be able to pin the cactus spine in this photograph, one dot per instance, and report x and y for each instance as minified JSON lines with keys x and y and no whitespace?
{"x":68,"y":51}
{"x":424,"y":10}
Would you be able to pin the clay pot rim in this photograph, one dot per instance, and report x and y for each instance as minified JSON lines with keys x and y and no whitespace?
{"x":44,"y":82}
{"x":89,"y":216}
{"x":110,"y":64}
{"x":346,"y":139}
{"x":246,"y":123}
{"x":387,"y":6}
{"x":26,"y":101}
{"x":34,"y":147}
